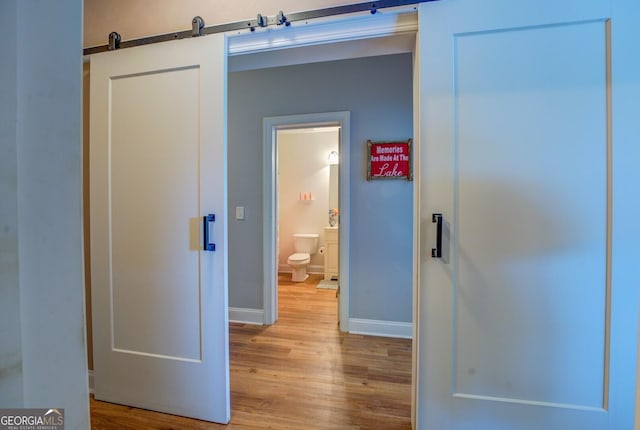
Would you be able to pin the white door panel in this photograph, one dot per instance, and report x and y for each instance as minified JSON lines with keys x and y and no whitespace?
{"x":515,"y":115}
{"x":158,"y":156}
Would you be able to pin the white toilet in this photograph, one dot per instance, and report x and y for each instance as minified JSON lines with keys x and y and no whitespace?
{"x":303,"y":245}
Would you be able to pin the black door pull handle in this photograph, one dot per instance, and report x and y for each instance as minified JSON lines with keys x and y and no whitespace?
{"x":208,"y":220}
{"x":437,"y":251}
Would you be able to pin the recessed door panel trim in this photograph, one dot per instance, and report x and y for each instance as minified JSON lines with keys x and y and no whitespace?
{"x":528,"y":402}
{"x":588,"y":26}
{"x":156,"y":160}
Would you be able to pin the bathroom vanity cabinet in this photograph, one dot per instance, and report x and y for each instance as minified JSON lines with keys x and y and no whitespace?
{"x":331,"y":256}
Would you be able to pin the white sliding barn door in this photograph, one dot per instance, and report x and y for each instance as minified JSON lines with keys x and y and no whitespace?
{"x":521,"y":326}
{"x":158,"y":165}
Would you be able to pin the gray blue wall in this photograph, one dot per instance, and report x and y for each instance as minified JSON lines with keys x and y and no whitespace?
{"x":378,"y":91}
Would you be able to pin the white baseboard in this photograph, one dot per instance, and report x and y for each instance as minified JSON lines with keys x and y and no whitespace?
{"x":318,"y":269}
{"x":246,"y":316}
{"x":284,"y":268}
{"x":315,"y":269}
{"x":381,"y":328}
{"x":90,"y":381}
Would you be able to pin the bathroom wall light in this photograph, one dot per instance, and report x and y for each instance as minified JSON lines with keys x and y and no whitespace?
{"x":333,"y":158}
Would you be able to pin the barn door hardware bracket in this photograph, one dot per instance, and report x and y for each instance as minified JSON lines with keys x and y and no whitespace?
{"x":281,"y":19}
{"x":114,"y":41}
{"x":197,"y":24}
{"x":262,"y":21}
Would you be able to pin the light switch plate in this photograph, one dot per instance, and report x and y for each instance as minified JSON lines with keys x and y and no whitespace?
{"x":240,"y":212}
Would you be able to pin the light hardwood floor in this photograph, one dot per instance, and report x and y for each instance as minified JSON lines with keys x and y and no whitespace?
{"x":301,"y":373}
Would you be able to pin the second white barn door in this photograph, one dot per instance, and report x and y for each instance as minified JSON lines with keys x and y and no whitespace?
{"x":515,"y":313}
{"x":158,"y":166}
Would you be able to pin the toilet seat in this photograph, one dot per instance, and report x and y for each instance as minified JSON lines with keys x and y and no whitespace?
{"x":299,"y":258}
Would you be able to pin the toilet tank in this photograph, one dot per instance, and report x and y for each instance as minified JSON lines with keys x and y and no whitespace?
{"x":306,"y":243}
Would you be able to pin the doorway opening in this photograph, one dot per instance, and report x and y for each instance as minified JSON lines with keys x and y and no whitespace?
{"x":308,"y":207}
{"x":310,"y":84}
{"x":313,"y":209}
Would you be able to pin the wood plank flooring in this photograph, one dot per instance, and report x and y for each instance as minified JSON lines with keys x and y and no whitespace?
{"x":300,"y":373}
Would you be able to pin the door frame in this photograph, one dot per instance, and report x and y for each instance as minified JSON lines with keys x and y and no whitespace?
{"x":271,"y":125}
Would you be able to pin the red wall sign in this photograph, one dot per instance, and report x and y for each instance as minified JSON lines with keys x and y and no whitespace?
{"x":389,"y":160}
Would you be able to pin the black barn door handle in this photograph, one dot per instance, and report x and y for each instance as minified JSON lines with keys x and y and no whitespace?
{"x":437,"y":251}
{"x":207,"y":220}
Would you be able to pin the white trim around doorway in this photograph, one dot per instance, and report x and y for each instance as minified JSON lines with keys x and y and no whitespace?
{"x":270,"y":207}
